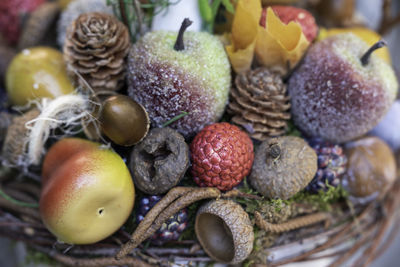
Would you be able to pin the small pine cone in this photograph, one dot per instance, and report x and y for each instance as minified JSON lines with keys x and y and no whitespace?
{"x":259,"y":103}
{"x":95,"y":48}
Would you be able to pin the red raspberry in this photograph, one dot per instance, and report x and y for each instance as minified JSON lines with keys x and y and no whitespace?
{"x":11,"y":15}
{"x":222,"y":155}
{"x":288,"y":13}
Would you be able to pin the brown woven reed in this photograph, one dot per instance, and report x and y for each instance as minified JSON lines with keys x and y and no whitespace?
{"x":370,"y":228}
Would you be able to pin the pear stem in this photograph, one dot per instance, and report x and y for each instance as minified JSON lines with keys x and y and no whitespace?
{"x":179,"y":46}
{"x":365,"y":58}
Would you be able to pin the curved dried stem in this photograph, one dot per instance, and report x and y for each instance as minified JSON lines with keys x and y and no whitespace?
{"x":292,"y":224}
{"x":176,"y":199}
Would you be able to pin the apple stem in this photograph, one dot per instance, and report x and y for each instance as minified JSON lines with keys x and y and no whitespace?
{"x":179,"y":46}
{"x":365,"y":58}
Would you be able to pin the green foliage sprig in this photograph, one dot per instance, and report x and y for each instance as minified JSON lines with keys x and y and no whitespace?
{"x":137,"y":16}
{"x":209,"y":10}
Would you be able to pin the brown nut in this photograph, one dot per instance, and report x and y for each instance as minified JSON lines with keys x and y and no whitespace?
{"x":123,"y":120}
{"x":371,"y":168}
{"x":160,"y":161}
{"x":283,"y":166}
{"x":224,"y":230}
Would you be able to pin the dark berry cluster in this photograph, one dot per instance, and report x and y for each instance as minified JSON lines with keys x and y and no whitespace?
{"x":169,"y":230}
{"x":331,"y":165}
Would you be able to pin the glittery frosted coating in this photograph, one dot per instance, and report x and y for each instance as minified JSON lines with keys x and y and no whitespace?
{"x":334,"y":97}
{"x":167,"y":82}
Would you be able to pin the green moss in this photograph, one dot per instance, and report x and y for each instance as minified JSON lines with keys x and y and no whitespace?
{"x":34,"y":257}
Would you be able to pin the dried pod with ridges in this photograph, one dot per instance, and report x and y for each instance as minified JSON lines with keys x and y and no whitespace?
{"x":14,"y":147}
{"x":95,"y":49}
{"x":283,"y":166}
{"x":159,"y":161}
{"x":371,"y":168}
{"x":225,"y":231}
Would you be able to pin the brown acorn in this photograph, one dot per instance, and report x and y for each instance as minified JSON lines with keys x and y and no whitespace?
{"x":283,"y":166}
{"x":225,"y":231}
{"x":123,"y":120}
{"x":371,"y":168}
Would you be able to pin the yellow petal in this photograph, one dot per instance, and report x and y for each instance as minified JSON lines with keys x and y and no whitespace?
{"x":367,"y":35}
{"x":280,"y":44}
{"x":245,"y":23}
{"x":241,"y":59}
{"x":244,"y":34}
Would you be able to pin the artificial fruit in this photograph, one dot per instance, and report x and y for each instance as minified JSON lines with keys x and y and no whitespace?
{"x":87,"y":191}
{"x":342,"y":89}
{"x":191,"y":76}
{"x":35,"y":73}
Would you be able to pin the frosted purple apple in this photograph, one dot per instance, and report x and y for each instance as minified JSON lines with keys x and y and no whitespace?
{"x":337,"y":97}
{"x":167,"y":81}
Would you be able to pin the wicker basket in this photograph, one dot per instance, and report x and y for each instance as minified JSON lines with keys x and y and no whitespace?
{"x":358,"y":238}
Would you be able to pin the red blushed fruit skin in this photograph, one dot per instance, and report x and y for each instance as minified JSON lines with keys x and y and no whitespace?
{"x":222,"y":155}
{"x":11,"y":12}
{"x":58,"y":191}
{"x":61,"y":152}
{"x":288,"y":14}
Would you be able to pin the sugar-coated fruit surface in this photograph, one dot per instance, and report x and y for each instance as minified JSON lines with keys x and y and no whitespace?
{"x":35,"y":73}
{"x":332,"y":163}
{"x":171,"y":229}
{"x":167,"y":82}
{"x":88,"y":196}
{"x":222,"y":155}
{"x":334,"y":96}
{"x":388,"y":128}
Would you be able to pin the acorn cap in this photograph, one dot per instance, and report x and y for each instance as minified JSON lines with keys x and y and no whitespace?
{"x":224,"y":230}
{"x":371,"y":168}
{"x":38,"y":25}
{"x":283,"y":166}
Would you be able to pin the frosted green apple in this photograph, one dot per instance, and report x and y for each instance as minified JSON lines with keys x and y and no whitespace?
{"x":167,"y":79}
{"x":87,"y":191}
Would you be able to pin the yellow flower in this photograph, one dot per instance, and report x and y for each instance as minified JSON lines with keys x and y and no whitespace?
{"x":277,"y":45}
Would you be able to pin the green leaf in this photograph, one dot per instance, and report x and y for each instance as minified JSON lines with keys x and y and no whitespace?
{"x":228,"y":5}
{"x":205,"y":10}
{"x":215,"y":6}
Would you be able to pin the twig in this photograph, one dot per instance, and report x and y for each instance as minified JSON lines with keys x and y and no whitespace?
{"x":293,"y":224}
{"x":24,"y":210}
{"x":165,"y":208}
{"x":90,"y":262}
{"x":138,"y":11}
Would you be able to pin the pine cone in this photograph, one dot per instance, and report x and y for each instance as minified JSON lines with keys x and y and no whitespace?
{"x":95,"y":48}
{"x":259,"y":103}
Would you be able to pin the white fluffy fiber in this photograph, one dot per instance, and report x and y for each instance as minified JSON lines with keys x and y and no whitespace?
{"x":76,"y":8}
{"x":388,"y":128}
{"x":67,"y":111}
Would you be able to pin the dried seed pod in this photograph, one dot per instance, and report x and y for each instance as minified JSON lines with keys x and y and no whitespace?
{"x":14,"y":147}
{"x":371,"y":168}
{"x":123,"y":120}
{"x":283,"y":166}
{"x":225,"y":231}
{"x":159,"y":161}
